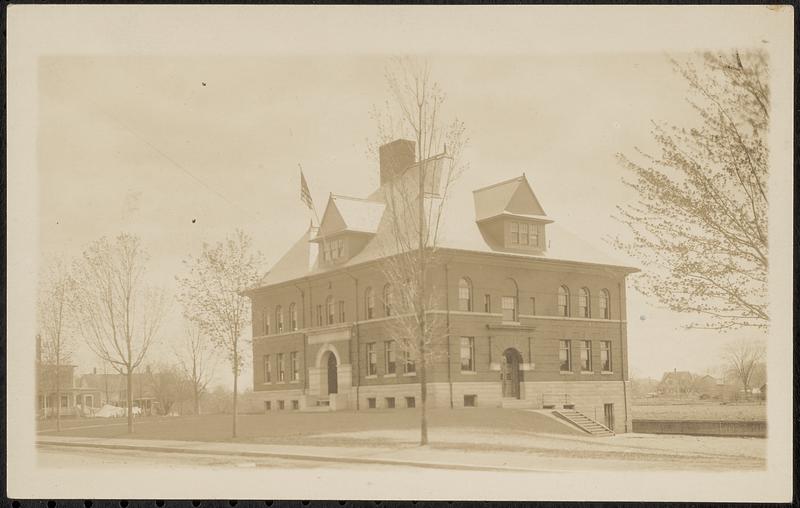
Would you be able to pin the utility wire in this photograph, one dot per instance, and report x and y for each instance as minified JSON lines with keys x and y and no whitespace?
{"x":170,"y":159}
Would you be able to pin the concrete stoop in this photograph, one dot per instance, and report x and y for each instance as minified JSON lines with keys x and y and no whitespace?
{"x":512,"y":403}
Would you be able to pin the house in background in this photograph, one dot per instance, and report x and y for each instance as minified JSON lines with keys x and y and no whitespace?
{"x":676,"y":383}
{"x":75,"y":399}
{"x":535,"y":317}
{"x":113,"y":389}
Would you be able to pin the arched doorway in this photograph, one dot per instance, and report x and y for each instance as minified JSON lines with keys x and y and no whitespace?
{"x":333,"y":373}
{"x":510,"y":373}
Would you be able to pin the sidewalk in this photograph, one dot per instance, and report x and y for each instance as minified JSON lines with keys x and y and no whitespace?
{"x":353,"y":455}
{"x":583,"y":454}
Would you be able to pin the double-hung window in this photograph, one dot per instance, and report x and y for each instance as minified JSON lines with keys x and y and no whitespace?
{"x":586,"y":355}
{"x":565,"y":355}
{"x":467,"y":354}
{"x":281,"y":369}
{"x":391,"y":357}
{"x":267,"y":369}
{"x":605,"y":356}
{"x":509,"y":308}
{"x":372,"y":360}
{"x":293,"y":367}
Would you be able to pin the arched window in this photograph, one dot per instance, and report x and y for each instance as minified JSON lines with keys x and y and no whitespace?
{"x":584,"y":309}
{"x":563,"y":301}
{"x":278,"y":319}
{"x":293,"y":316}
{"x":266,"y":321}
{"x":465,"y":295}
{"x":330,"y":309}
{"x":387,"y":299}
{"x":605,"y":308}
{"x":509,"y":300}
{"x":369,"y":303}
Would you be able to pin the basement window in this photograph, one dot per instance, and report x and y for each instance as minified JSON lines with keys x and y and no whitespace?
{"x":470,"y":400}
{"x":371,"y":403}
{"x":390,"y":402}
{"x":268,"y":405}
{"x":411,"y":402}
{"x":280,"y":404}
{"x":295,"y":404}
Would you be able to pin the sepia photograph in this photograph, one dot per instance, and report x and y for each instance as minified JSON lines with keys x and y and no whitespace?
{"x":382,"y":252}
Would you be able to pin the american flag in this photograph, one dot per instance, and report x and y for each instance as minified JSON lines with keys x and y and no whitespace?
{"x":305,"y":194}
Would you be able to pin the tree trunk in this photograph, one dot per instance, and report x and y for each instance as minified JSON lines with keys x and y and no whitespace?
{"x":196,"y":402}
{"x":58,"y":394}
{"x":235,"y":388}
{"x":130,"y":400}
{"x":423,"y":388}
{"x":423,"y":385}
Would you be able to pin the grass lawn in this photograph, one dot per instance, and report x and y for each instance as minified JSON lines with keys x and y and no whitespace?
{"x":290,"y":427}
{"x":700,"y":411}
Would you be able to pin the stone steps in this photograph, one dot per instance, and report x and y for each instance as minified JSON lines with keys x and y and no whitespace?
{"x":584,"y":423}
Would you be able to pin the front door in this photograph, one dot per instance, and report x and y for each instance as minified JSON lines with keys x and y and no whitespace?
{"x":333,"y":376}
{"x":510,"y":373}
{"x":608,"y":414}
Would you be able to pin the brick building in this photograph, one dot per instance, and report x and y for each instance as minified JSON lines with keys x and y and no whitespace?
{"x":536,"y":317}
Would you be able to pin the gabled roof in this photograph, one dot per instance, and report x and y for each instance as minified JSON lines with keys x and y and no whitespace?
{"x":511,"y":197}
{"x":344,"y":213}
{"x":459,"y":227}
{"x":298,"y":261}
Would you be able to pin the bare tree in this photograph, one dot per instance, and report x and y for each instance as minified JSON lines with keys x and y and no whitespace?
{"x":700,"y":223}
{"x":53,"y":343}
{"x":744,"y":361}
{"x":415,"y":201}
{"x":211,"y":296}
{"x":117,"y":312}
{"x":196,"y":362}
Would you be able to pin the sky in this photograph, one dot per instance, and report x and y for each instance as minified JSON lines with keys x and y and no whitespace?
{"x":182,"y":150}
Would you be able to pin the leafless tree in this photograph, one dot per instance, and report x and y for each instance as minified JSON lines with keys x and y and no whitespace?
{"x":117,"y":312}
{"x":211,"y":296}
{"x":744,"y":361}
{"x":53,"y":343}
{"x":700,"y":223}
{"x":415,"y":201}
{"x":196,"y":362}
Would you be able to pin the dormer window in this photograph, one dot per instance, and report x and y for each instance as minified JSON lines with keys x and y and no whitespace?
{"x":524,"y":234}
{"x":333,"y":249}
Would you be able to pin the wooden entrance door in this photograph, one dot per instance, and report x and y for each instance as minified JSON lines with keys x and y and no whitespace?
{"x":333,"y":375}
{"x":510,"y":375}
{"x":608,"y":415}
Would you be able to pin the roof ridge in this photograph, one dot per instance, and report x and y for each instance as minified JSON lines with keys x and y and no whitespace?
{"x":520,"y":177}
{"x":334,"y":196}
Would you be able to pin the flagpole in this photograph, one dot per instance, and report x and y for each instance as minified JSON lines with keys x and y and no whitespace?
{"x":313,"y":206}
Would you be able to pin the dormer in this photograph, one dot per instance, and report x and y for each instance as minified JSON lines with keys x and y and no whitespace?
{"x":510,"y":216}
{"x":347,"y":224}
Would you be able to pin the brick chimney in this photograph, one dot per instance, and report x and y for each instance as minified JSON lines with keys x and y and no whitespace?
{"x":395,"y":157}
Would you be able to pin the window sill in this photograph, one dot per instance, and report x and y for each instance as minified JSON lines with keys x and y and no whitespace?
{"x":371,"y":376}
{"x":566,"y":372}
{"x":409,"y":374}
{"x":468,"y":373}
{"x":390,"y":375}
{"x":587,"y":373}
{"x":295,"y":382}
{"x":607,"y":373}
{"x":511,"y":323}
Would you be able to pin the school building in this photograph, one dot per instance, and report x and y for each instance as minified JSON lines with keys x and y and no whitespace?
{"x":534,"y":317}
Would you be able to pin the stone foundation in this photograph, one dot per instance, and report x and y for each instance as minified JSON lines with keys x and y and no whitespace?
{"x":588,"y":397}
